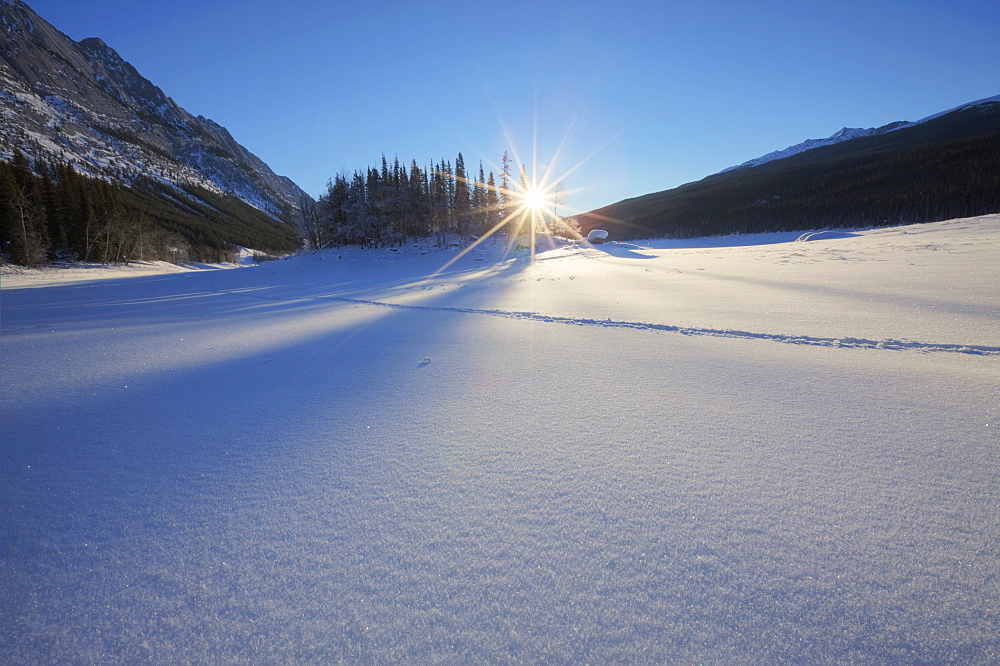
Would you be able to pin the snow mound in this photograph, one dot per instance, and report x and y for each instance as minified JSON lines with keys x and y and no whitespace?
{"x":825,"y":235}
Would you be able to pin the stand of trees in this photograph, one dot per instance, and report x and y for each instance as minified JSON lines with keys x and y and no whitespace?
{"x":49,"y":211}
{"x":391,"y":205}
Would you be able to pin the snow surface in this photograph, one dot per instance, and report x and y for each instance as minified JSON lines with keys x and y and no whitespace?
{"x":742,"y":450}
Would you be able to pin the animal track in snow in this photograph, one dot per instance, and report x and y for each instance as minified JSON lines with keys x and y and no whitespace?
{"x":841,"y":342}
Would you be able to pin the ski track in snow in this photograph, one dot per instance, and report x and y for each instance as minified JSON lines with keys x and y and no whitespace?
{"x":842,"y":342}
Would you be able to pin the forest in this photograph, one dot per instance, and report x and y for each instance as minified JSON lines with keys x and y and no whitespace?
{"x":61,"y":215}
{"x":942,"y":169}
{"x":390,"y":205}
{"x":50,"y":212}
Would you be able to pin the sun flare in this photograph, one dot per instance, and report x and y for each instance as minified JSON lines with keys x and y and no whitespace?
{"x":535,"y":199}
{"x":528,"y":210}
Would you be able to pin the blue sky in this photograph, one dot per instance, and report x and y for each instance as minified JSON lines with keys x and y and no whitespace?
{"x":620,"y":98}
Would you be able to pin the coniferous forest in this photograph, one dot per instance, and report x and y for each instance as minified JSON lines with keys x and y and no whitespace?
{"x":394,"y":204}
{"x":63,"y":215}
{"x":49,"y":211}
{"x":945,"y":168}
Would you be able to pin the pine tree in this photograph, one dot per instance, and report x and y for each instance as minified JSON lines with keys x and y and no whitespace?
{"x":449,"y":187}
{"x":9,"y":221}
{"x":479,"y":213}
{"x":377,"y":197}
{"x":506,"y":198}
{"x":493,"y":212}
{"x":55,"y":232}
{"x":462,"y":204}
{"x":417,"y":199}
{"x":440,"y":202}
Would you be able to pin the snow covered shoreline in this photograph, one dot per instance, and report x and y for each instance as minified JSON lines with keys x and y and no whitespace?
{"x":16,"y":277}
{"x":360,"y":460}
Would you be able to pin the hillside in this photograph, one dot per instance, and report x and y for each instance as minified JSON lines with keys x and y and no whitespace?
{"x":80,"y":103}
{"x":942,"y":167}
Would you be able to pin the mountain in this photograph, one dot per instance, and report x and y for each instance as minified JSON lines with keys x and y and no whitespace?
{"x":846,"y":134}
{"x":80,"y":102}
{"x":946,"y":165}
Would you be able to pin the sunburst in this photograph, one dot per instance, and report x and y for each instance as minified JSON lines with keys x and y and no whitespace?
{"x":532,"y":204}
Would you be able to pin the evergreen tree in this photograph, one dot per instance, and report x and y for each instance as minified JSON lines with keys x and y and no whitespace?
{"x":376,"y":200}
{"x":506,"y":195}
{"x":9,"y":219}
{"x":462,"y":204}
{"x":417,"y":200}
{"x":448,"y":175}
{"x":337,"y":206}
{"x":493,"y":212}
{"x":58,"y":238}
{"x":439,"y":202}
{"x":479,"y":212}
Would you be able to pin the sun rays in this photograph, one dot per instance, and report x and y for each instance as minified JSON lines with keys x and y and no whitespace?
{"x":528,"y":207}
{"x":526,"y":211}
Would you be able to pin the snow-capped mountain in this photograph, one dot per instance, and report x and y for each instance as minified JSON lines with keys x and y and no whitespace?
{"x":81,"y":102}
{"x":849,"y":133}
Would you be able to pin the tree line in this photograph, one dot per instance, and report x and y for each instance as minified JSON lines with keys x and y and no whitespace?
{"x":50,"y":212}
{"x":393,"y":204}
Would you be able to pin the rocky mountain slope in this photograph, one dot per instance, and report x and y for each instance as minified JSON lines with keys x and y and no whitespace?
{"x":81,"y":102}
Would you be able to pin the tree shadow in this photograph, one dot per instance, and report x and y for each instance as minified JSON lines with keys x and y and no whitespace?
{"x":623,"y":250}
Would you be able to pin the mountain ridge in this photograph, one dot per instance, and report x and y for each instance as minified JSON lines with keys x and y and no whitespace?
{"x":944,"y":166}
{"x":849,"y":133}
{"x":83,"y":103}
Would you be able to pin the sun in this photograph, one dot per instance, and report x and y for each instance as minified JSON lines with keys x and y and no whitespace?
{"x":526,"y":210}
{"x":535,"y":199}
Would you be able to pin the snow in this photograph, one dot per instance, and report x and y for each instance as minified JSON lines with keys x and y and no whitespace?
{"x":845,"y":134}
{"x":980,"y":102}
{"x":347,"y":457}
{"x":598,"y":235}
{"x":824,"y":235}
{"x":79,"y":272}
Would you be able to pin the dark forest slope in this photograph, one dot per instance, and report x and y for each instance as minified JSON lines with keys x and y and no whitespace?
{"x":947,"y":166}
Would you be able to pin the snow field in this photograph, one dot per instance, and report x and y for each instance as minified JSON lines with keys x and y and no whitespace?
{"x":237,"y":466}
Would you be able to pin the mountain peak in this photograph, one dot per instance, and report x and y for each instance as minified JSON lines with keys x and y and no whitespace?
{"x":98,"y":50}
{"x":844,"y":134}
{"x":94,"y":43}
{"x":107,"y":119}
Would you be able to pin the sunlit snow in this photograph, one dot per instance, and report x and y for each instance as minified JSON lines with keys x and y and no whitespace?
{"x":742,"y":450}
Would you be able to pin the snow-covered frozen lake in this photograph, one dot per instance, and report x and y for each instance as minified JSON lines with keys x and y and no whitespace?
{"x":743,"y":450}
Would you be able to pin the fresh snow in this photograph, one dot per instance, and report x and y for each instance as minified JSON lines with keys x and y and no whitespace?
{"x":728,"y":450}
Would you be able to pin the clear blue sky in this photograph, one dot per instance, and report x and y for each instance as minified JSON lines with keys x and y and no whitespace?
{"x":665,"y":92}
